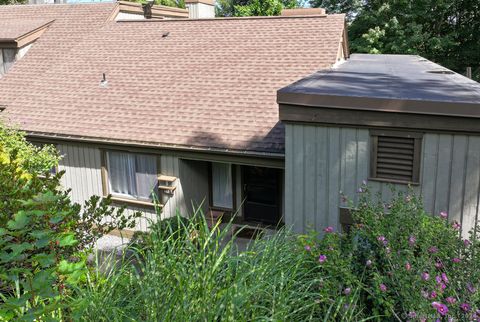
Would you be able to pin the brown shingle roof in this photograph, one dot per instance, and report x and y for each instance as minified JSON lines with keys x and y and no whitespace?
{"x":209,"y":83}
{"x":11,"y":29}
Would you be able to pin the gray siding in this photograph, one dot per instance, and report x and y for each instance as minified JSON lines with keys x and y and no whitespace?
{"x":82,"y":165}
{"x":323,"y":161}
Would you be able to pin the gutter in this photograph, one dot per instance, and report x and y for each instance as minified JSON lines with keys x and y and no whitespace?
{"x":170,"y":147}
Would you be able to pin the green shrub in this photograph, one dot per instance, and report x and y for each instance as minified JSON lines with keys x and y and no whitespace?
{"x":407,"y":263}
{"x":43,"y":235}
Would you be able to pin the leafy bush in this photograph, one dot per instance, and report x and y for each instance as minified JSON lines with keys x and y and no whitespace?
{"x":43,"y":235}
{"x":406,"y":263}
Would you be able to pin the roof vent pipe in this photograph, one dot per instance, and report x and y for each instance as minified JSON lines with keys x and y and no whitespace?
{"x":147,"y":9}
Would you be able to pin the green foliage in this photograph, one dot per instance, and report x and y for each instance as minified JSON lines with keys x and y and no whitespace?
{"x":239,"y":8}
{"x":43,"y":235}
{"x":32,"y":158}
{"x":4,"y":2}
{"x":447,"y":32}
{"x":402,"y":260}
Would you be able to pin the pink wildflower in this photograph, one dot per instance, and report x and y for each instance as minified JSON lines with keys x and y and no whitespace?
{"x":383,"y":240}
{"x":307,"y":248}
{"x":456,"y":260}
{"x":441,"y":308}
{"x":408,"y":266}
{"x":433,"y":250}
{"x":445,"y":278}
{"x":347,"y":291}
{"x":450,"y":300}
{"x":439,"y":265}
{"x":328,"y":229}
{"x":322,"y":258}
{"x":456,"y":225}
{"x":383,"y":287}
{"x":438,"y":279}
{"x":433,"y":295}
{"x":467,"y":242}
{"x":465,"y":307}
{"x":471,"y":288}
{"x":443,"y":215}
{"x":425,"y":276}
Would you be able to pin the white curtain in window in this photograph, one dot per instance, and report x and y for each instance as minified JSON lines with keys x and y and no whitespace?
{"x":121,"y":168}
{"x":222,"y":192}
{"x":8,"y":58}
{"x":146,"y":178}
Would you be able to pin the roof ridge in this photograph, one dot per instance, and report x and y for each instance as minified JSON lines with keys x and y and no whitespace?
{"x":232,"y":18}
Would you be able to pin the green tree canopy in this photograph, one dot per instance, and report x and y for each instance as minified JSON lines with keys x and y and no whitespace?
{"x":445,"y":31}
{"x":239,"y":8}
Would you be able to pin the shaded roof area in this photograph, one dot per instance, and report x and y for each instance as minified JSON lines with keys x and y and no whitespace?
{"x":209,"y":83}
{"x":391,"y":83}
{"x":11,"y":29}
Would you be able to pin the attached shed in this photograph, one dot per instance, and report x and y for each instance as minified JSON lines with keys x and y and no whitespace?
{"x":394,"y":120}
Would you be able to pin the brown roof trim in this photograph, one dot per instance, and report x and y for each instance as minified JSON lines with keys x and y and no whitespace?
{"x":369,"y":118}
{"x":230,"y":18}
{"x":445,"y":108}
{"x":26,"y":38}
{"x":303,"y":12}
{"x":96,"y":140}
{"x":209,"y":2}
{"x":158,"y":11}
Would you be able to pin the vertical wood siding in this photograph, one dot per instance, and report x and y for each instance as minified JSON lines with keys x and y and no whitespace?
{"x":82,"y":165}
{"x":321,"y":162}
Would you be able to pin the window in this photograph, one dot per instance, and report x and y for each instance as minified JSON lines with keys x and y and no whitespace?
{"x":395,"y":156}
{"x":7,"y":58}
{"x":132,"y":175}
{"x":221,"y":186}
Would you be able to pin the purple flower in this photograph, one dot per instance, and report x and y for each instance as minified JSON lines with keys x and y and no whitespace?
{"x":441,"y":308}
{"x":443,"y":286}
{"x":408,"y":266}
{"x":307,"y":248}
{"x":425,"y":276}
{"x":433,"y":295}
{"x":412,"y":315}
{"x":411,"y":240}
{"x":368,"y":263}
{"x":433,"y":250}
{"x":456,"y":260}
{"x":328,"y":229}
{"x":471,"y":288}
{"x":445,"y":278}
{"x":347,"y":291}
{"x":467,"y":242}
{"x":383,"y":287}
{"x":322,"y":258}
{"x":438,"y":265}
{"x":450,"y":300}
{"x":465,"y":307}
{"x":456,"y":225}
{"x":438,"y":279}
{"x":443,"y":215}
{"x":383,"y":240}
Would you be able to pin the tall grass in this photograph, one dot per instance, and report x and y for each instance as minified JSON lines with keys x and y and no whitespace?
{"x":192,"y":273}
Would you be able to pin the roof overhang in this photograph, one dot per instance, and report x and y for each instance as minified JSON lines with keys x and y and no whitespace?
{"x":25,"y":38}
{"x":361,"y":95}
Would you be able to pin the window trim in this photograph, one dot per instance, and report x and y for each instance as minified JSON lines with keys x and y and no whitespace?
{"x":121,"y":198}
{"x":417,"y":155}
{"x":210,"y":189}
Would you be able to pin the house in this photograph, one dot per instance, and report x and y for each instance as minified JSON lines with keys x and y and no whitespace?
{"x":184,"y":111}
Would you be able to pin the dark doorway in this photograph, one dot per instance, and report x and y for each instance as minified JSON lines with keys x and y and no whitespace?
{"x":262,"y":194}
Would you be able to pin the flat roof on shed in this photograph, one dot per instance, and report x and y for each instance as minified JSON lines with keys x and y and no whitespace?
{"x":387,"y":83}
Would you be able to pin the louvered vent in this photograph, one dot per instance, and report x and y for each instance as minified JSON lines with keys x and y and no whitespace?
{"x":396,"y":157}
